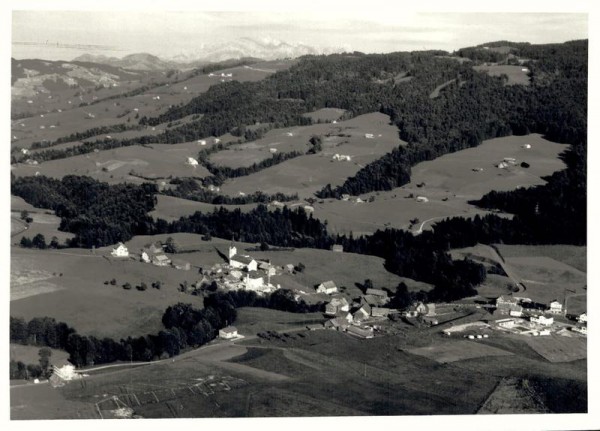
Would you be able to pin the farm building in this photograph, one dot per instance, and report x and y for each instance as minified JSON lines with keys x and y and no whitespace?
{"x":526,"y":146}
{"x":582,"y":318}
{"x":582,"y":329}
{"x":380,"y":311}
{"x":202,"y":142}
{"x":360,"y":332}
{"x":308,"y":209}
{"x":327,"y":287}
{"x":337,"y":248}
{"x":181,"y":264}
{"x":502,"y":165}
{"x":506,"y":304}
{"x":228,"y":333}
{"x":272,"y":150}
{"x":510,"y":160}
{"x":345,"y":196}
{"x":161,"y":260}
{"x":277,"y":204}
{"x":145,"y":257}
{"x":65,"y":372}
{"x":120,"y":251}
{"x":362,"y":313}
{"x":543,"y":320}
{"x":422,"y":199}
{"x":369,"y":135}
{"x":213,"y":188}
{"x":338,"y":323}
{"x":505,"y":323}
{"x":555,"y":307}
{"x":516,"y":311}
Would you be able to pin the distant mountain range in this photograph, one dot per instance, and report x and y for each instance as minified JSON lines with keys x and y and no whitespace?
{"x":266,"y":49}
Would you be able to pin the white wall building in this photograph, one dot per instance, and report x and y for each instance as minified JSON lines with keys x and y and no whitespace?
{"x":120,"y":251}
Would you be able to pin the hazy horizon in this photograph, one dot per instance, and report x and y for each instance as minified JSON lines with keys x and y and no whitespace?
{"x":64,"y":35}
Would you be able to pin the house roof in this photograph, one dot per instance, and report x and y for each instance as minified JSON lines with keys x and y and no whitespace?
{"x":328,"y":284}
{"x":242,"y":259}
{"x":369,"y":299}
{"x":377,"y":292}
{"x":229,"y":330}
{"x":161,"y":257}
{"x":255,"y":274}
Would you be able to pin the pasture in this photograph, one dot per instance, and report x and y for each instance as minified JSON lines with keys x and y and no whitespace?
{"x":448,"y":182}
{"x":251,"y":320}
{"x":457,"y":351}
{"x":134,"y":164}
{"x":555,"y":348}
{"x":69,"y":285}
{"x":516,"y":75}
{"x":573,"y":255}
{"x":307,"y":174}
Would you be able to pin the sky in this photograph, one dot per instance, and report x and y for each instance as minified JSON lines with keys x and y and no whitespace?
{"x":64,"y":35}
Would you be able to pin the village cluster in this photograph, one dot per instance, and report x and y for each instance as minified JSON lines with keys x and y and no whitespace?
{"x":361,"y":316}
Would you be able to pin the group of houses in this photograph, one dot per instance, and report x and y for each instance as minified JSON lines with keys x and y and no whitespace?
{"x":352,"y":316}
{"x":152,"y":254}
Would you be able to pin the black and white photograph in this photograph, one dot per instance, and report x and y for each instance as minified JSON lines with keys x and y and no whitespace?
{"x":353,"y":214}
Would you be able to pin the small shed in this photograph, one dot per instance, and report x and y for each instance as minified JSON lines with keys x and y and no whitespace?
{"x":338,"y":248}
{"x":228,"y":333}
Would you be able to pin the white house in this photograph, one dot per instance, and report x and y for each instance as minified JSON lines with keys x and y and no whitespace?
{"x":543,"y":320}
{"x":254,"y":280}
{"x":191,"y":161}
{"x":120,"y":251}
{"x":228,"y":333}
{"x":145,"y":257}
{"x":338,"y":248}
{"x":555,"y":307}
{"x":582,"y":318}
{"x":362,"y":313}
{"x":369,"y":135}
{"x":526,"y":146}
{"x":327,"y":287}
{"x":582,"y":329}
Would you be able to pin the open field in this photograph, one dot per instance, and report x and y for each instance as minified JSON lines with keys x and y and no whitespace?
{"x":457,"y":351}
{"x":556,"y":348}
{"x":307,"y":174}
{"x":448,"y":182}
{"x":79,"y":298}
{"x":515,"y":74}
{"x":30,"y":354}
{"x":513,"y":396}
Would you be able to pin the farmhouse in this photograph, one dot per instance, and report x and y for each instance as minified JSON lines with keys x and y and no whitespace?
{"x":327,"y":287}
{"x":330,"y":309}
{"x":582,"y":318}
{"x":526,"y":146}
{"x":508,"y":304}
{"x":555,"y":307}
{"x":120,"y":251}
{"x":338,"y":323}
{"x":372,"y":300}
{"x":360,"y":332}
{"x":308,"y":209}
{"x":337,"y":248}
{"x":161,"y":260}
{"x":341,"y":303}
{"x":362,"y":313}
{"x":228,"y":333}
{"x":66,"y":372}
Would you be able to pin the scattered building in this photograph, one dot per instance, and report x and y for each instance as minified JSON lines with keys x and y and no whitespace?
{"x":369,"y":135}
{"x":327,"y":287}
{"x":228,"y":333}
{"x":66,"y":372}
{"x":582,"y":329}
{"x":191,"y":161}
{"x":338,"y":248}
{"x":526,"y":146}
{"x":341,"y":303}
{"x":120,"y":251}
{"x":422,"y":199}
{"x":241,"y":261}
{"x":272,"y":150}
{"x":582,"y":318}
{"x":377,"y":292}
{"x":254,"y":280}
{"x":363,"y":313}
